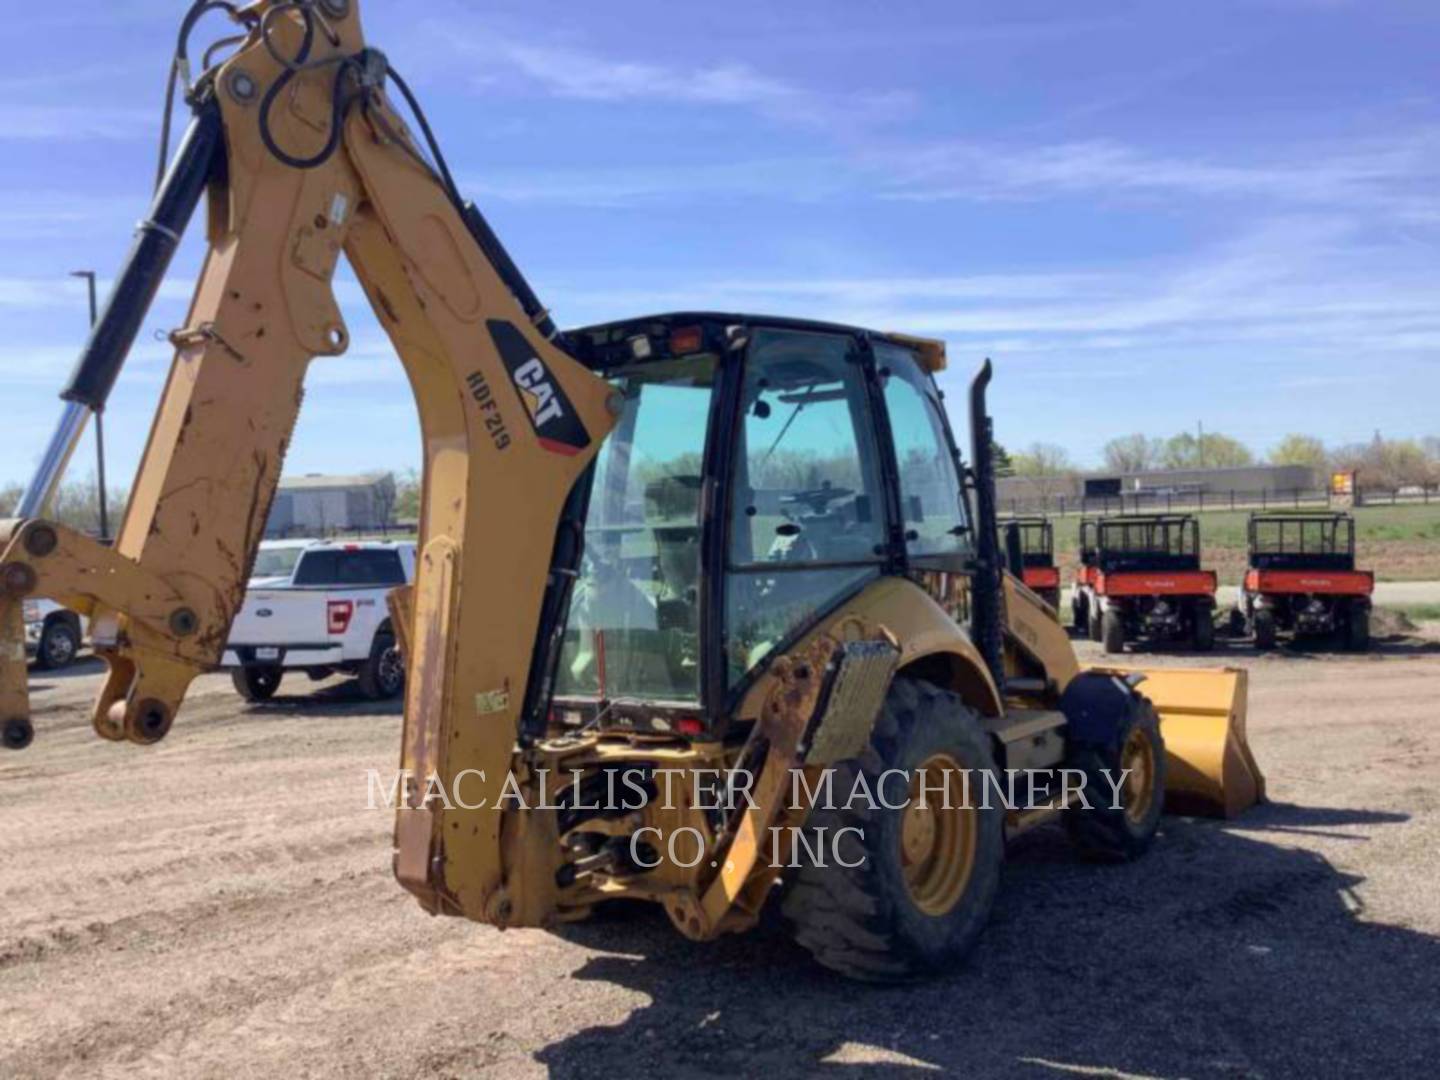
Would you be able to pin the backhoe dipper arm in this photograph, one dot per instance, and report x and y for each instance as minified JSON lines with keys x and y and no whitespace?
{"x":305,"y":158}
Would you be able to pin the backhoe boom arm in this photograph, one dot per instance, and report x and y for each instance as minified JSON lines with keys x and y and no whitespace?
{"x":305,"y":159}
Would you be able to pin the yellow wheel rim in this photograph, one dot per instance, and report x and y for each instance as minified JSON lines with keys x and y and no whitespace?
{"x":1137,"y":761}
{"x":938,"y":835}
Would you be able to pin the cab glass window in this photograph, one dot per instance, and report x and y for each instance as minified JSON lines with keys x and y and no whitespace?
{"x":931,"y":500}
{"x":807,"y":515}
{"x":633,"y":629}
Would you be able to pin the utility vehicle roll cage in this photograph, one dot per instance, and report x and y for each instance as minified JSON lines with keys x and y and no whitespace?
{"x":1301,"y":540}
{"x":1037,"y":539}
{"x":1141,"y":542}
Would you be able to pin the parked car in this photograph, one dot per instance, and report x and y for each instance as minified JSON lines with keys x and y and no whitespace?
{"x":53,"y":634}
{"x":327,"y":615}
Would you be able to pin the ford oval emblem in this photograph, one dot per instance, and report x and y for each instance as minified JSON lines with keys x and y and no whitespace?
{"x":264,"y":613}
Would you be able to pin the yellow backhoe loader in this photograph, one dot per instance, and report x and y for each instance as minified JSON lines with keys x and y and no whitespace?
{"x":707,"y":605}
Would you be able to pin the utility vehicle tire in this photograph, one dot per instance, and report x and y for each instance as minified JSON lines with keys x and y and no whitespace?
{"x":383,"y":675}
{"x":1114,"y":632}
{"x":1264,"y":625}
{"x":1111,"y":832}
{"x":59,"y":645}
{"x":1096,"y":624}
{"x":256,"y":684}
{"x":1357,"y":629}
{"x":923,"y":877}
{"x":1204,"y":636}
{"x":1080,"y":614}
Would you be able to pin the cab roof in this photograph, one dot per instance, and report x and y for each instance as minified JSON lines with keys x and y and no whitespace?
{"x":590,"y":342}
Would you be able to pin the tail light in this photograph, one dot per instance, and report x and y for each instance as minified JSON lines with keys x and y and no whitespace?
{"x":338,"y":614}
{"x":690,"y":725}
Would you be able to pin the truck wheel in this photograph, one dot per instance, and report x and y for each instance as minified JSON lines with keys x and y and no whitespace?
{"x":1114,"y":632}
{"x":1264,"y":623}
{"x":1204,"y":637}
{"x":1357,"y":630}
{"x":383,"y":674}
{"x":59,"y":645}
{"x":18,"y":734}
{"x":922,"y":877}
{"x":1095,"y":622}
{"x":1122,"y":828}
{"x":256,"y":684}
{"x":1080,"y":614}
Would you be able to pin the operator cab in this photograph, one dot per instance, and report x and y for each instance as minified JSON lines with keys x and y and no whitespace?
{"x":841,"y":467}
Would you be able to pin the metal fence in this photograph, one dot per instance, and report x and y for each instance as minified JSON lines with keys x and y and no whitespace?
{"x":1154,"y":502}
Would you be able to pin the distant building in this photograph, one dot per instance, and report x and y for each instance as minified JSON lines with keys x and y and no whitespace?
{"x":321,"y":505}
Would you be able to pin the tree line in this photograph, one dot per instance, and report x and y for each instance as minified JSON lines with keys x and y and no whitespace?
{"x":76,"y":504}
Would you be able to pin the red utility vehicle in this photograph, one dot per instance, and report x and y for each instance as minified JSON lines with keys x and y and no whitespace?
{"x":1140,"y":577}
{"x":1032,"y":539}
{"x":1302,"y":579}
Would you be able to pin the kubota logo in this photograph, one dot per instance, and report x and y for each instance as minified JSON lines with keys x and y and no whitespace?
{"x":551,"y":414}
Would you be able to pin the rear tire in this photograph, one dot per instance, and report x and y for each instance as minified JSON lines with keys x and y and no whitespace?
{"x":257,"y":684}
{"x":1120,"y":832}
{"x":1114,"y":632}
{"x":383,"y":675}
{"x":1204,"y":636}
{"x":924,"y":879}
{"x":1357,"y":630}
{"x":1264,"y":629}
{"x":59,"y":645}
{"x":1080,"y":614}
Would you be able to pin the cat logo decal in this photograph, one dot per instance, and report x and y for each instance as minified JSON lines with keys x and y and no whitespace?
{"x":556,"y":425}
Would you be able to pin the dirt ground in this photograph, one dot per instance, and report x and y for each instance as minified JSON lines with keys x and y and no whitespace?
{"x":221,"y":905}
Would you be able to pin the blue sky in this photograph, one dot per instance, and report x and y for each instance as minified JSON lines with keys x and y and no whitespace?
{"x":1150,"y":214}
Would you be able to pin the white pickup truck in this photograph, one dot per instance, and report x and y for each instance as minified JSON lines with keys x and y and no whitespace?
{"x":320,"y":608}
{"x":53,"y":634}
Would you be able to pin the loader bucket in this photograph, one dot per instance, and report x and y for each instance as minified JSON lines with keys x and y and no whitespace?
{"x":1210,"y":771}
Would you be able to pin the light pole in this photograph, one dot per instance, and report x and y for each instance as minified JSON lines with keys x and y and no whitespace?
{"x":89,"y":276}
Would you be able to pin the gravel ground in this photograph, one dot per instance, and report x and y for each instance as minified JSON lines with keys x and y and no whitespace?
{"x":221,"y":905}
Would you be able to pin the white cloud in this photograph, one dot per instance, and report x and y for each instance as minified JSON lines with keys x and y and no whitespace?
{"x":568,"y":72}
{"x":1363,"y":171}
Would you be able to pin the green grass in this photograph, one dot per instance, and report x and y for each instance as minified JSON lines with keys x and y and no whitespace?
{"x":1227,"y":528}
{"x":1417,"y":612}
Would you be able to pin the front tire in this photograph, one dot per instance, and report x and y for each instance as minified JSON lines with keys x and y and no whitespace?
{"x":1114,"y":632}
{"x":59,"y":645}
{"x":1120,"y":829}
{"x":257,"y":684}
{"x":383,"y":675}
{"x":1357,"y":630}
{"x":923,"y":875}
{"x":1204,"y":635}
{"x":1264,"y":629}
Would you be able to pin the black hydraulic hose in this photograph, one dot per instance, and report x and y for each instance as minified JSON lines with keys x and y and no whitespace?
{"x":987,"y":602}
{"x":155,"y":242}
